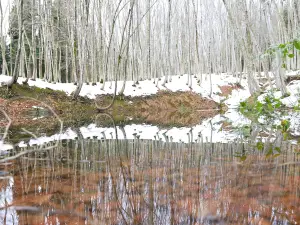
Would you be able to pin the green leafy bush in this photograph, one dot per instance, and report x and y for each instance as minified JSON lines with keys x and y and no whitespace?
{"x":285,"y":125}
{"x":260,"y":146}
{"x":270,"y":105}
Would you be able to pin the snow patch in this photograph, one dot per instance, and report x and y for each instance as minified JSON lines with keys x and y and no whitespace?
{"x":289,"y":101}
{"x":209,"y":130}
{"x":202,"y":85}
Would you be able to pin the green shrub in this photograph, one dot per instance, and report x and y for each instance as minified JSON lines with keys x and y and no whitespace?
{"x":270,"y":105}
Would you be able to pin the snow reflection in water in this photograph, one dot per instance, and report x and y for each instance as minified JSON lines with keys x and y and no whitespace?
{"x":91,"y":181}
{"x":7,"y":215}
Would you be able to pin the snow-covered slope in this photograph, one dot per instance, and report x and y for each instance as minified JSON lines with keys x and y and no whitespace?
{"x":148,"y":87}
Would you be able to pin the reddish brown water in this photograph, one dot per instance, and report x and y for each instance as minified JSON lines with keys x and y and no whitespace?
{"x":150,"y":182}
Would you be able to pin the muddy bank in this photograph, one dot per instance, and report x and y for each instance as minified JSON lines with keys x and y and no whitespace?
{"x":165,"y":108}
{"x":38,"y":109}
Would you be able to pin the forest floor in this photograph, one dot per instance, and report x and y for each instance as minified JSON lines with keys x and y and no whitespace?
{"x":32,"y":108}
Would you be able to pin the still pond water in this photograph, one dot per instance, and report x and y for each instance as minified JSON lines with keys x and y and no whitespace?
{"x":91,"y":181}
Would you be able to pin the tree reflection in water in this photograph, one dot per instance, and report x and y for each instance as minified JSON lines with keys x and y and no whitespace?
{"x":151,"y":182}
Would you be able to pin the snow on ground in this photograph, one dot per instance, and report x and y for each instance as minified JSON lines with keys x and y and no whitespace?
{"x":293,"y":89}
{"x":207,"y":88}
{"x":236,"y":97}
{"x":289,"y":101}
{"x":210,"y":130}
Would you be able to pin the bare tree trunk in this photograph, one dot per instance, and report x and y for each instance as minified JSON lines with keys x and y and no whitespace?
{"x":169,"y":44}
{"x":279,"y":74}
{"x":2,"y":43}
{"x":19,"y":49}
